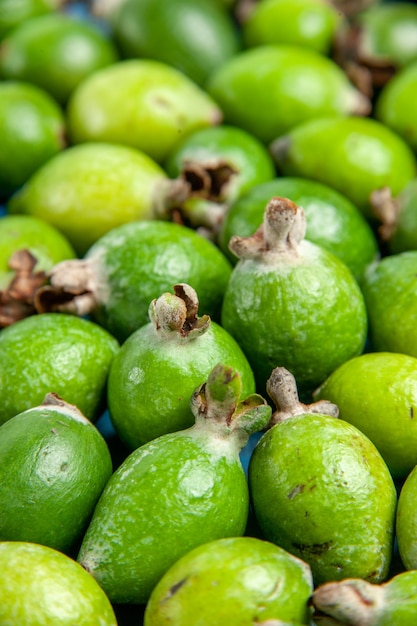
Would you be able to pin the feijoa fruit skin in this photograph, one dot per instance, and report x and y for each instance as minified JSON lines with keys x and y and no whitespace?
{"x":54,"y":352}
{"x":130,"y":266}
{"x":377,"y":393}
{"x":40,"y":585}
{"x":53,"y":456}
{"x":406,"y":523}
{"x":289,"y":302}
{"x":321,"y":490}
{"x":237,"y":581}
{"x":174,"y":493}
{"x":158,"y":367}
{"x":398,"y":217}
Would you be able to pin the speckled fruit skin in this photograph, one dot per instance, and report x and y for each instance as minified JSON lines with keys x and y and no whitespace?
{"x":357,"y":155}
{"x":377,"y":393}
{"x":406,"y":526}
{"x":321,"y":490}
{"x":168,"y":496}
{"x":389,"y":289}
{"x":53,"y":456}
{"x":54,"y":352}
{"x":142,"y":103}
{"x":56,"y":589}
{"x":333,"y":222}
{"x":237,"y":581}
{"x":141,"y":260}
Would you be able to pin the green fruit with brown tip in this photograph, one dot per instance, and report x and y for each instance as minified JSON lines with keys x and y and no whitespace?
{"x":406,"y":523}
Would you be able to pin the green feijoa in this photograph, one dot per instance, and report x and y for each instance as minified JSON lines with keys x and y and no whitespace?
{"x":321,"y":490}
{"x":389,"y":289}
{"x":295,"y":85}
{"x":397,"y":216}
{"x":194,"y":37}
{"x":71,"y":49}
{"x":54,"y":466}
{"x":309,"y":23}
{"x":130,"y":266}
{"x":357,"y":156}
{"x":14,"y":12}
{"x":58,"y":353}
{"x":143,"y":103}
{"x":290,"y":302}
{"x":237,"y":581}
{"x":406,"y":525}
{"x":174,"y":493}
{"x":159,"y":366}
{"x":356,"y":602}
{"x":377,"y":393}
{"x":392,"y":106}
{"x":32,"y":128}
{"x":42,"y":586}
{"x":88,"y":189}
{"x":333,"y":221}
{"x":220,"y":163}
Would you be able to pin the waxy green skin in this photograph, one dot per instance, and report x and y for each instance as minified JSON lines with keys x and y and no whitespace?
{"x":142,"y":103}
{"x":161,"y":30}
{"x":87,"y":190}
{"x":357,"y":156}
{"x":269,"y":103}
{"x":406,"y":523}
{"x":13,"y":13}
{"x":333,"y":222}
{"x":238,"y":581}
{"x":54,"y":352}
{"x":53,"y":456}
{"x":377,"y":393}
{"x":404,"y":236}
{"x":55,"y":65}
{"x":56,"y":589}
{"x":389,"y":289}
{"x":321,"y":490}
{"x":23,"y":150}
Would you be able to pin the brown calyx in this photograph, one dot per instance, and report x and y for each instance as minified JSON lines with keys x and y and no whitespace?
{"x":353,"y":601}
{"x":386,"y":209}
{"x":17,"y":300}
{"x":178,"y":313}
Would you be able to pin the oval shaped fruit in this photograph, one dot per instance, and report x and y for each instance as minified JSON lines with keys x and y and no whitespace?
{"x":57,"y":590}
{"x":295,"y":85}
{"x":194,"y":37}
{"x":321,"y":490}
{"x":333,"y":221}
{"x":377,"y":393}
{"x":130,"y":266}
{"x":389,"y":289}
{"x":71,"y":50}
{"x":142,"y":103}
{"x":356,"y":157}
{"x":54,"y":466}
{"x":14,"y":13}
{"x":32,"y":127}
{"x":291,"y":302}
{"x":309,"y":23}
{"x":87,"y":190}
{"x":238,"y":581}
{"x":406,"y":525}
{"x":158,"y":367}
{"x":174,"y":493}
{"x":398,"y":217}
{"x":56,"y":353}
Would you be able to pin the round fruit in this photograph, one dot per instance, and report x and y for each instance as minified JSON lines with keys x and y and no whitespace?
{"x":333,"y":221}
{"x":389,"y":289}
{"x":130,"y":266}
{"x":237,"y":581}
{"x":71,"y":50}
{"x":356,"y":157}
{"x":295,"y":85}
{"x":54,"y":466}
{"x":377,"y":393}
{"x":32,"y":128}
{"x":289,"y":302}
{"x":141,"y":103}
{"x":56,"y":353}
{"x":40,"y":586}
{"x":321,"y":490}
{"x":14,"y":13}
{"x":174,"y":493}
{"x":407,"y":521}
